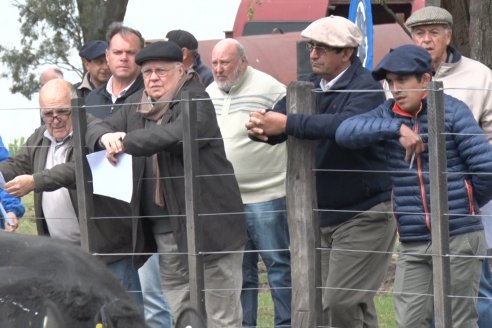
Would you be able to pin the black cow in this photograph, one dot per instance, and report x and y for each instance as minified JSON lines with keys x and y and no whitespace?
{"x":49,"y":283}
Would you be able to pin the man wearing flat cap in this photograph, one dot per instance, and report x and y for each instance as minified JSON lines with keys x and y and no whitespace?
{"x":93,"y":54}
{"x":400,"y":125}
{"x":149,"y":126}
{"x":353,"y":198}
{"x":469,"y":81}
{"x":191,"y":58}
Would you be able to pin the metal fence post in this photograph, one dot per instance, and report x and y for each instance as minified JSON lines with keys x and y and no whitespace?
{"x":439,"y":206}
{"x":303,"y":221}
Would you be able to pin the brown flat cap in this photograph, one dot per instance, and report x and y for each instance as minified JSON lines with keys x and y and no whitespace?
{"x":430,"y":16}
{"x":335,"y":31}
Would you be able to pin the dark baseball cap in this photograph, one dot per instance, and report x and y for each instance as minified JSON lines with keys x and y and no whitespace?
{"x":404,"y":60}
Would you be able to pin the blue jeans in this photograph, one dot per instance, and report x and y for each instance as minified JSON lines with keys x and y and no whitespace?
{"x":156,"y":309}
{"x":268,"y":233}
{"x":484,"y":302}
{"x":127,"y":275}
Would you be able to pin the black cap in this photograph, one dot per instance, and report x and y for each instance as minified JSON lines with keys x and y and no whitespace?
{"x":404,"y":60}
{"x":183,"y":39}
{"x":93,"y":49}
{"x":161,"y":50}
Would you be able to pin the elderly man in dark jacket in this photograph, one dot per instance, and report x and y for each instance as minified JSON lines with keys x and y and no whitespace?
{"x":150,"y":127}
{"x":353,"y":196}
{"x":401,"y":124}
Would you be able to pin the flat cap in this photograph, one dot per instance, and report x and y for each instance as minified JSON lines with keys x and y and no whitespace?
{"x":93,"y":49}
{"x":335,"y":31}
{"x":183,"y":39}
{"x":430,"y":16}
{"x":161,"y":50}
{"x":404,"y":60}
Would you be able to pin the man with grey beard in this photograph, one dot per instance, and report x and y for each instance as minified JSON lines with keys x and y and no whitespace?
{"x":239,"y":90}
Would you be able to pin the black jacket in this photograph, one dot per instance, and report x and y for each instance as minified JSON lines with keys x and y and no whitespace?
{"x":100,"y":104}
{"x":347,"y":181}
{"x":223,"y":226}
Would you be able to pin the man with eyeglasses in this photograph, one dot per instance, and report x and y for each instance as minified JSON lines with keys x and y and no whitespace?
{"x":357,"y":226}
{"x":123,"y":45}
{"x":149,"y":126}
{"x":470,"y":81}
{"x":44,"y":164}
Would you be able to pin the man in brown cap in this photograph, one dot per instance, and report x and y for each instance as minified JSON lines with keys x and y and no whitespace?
{"x":149,"y":126}
{"x":353,"y":198}
{"x":471,"y":82}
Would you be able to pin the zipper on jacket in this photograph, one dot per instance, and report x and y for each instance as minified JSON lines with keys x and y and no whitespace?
{"x":469,"y":191}
{"x":418,"y":159}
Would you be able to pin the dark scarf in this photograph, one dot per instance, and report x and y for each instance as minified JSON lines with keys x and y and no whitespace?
{"x":155,"y":111}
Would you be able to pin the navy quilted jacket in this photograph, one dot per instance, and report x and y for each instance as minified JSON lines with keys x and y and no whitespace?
{"x":468,"y":155}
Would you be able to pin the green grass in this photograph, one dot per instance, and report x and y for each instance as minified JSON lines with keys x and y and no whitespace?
{"x":384,"y":301}
{"x":27,"y":225}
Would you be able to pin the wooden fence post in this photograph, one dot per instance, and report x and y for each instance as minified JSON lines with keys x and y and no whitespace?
{"x":439,"y":206}
{"x":82,"y":175}
{"x":303,"y":221}
{"x":191,"y":170}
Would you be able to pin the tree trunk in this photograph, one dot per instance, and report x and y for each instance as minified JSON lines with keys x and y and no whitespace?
{"x":481,"y":23}
{"x":459,"y":9}
{"x":96,"y":15}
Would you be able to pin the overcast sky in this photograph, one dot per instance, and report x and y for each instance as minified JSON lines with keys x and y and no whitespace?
{"x":153,"y":18}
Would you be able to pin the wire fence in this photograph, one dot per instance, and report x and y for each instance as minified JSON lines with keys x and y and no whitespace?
{"x":300,"y":179}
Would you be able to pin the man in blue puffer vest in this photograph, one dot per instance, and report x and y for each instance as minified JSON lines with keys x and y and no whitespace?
{"x":401,"y":124}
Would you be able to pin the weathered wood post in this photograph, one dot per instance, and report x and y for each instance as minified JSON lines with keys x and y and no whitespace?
{"x":82,"y":175}
{"x":303,"y":221}
{"x":191,"y":170}
{"x":439,"y":206}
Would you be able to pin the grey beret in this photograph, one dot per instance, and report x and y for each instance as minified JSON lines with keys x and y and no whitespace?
{"x":430,"y":16}
{"x":335,"y":31}
{"x":161,"y":50}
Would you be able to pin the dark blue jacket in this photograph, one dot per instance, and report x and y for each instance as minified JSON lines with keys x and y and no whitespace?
{"x":468,"y":155}
{"x":100,"y":104}
{"x":347,"y":181}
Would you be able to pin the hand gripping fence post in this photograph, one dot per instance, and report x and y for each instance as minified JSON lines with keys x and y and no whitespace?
{"x":191,"y":169}
{"x":439,"y":206}
{"x":303,"y":220}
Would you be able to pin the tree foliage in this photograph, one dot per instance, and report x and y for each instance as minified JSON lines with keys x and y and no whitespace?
{"x":50,"y":30}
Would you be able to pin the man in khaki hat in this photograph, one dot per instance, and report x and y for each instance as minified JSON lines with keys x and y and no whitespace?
{"x":357,"y":227}
{"x":471,"y":82}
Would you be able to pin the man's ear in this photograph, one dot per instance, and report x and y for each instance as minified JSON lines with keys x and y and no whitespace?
{"x":426,"y":78}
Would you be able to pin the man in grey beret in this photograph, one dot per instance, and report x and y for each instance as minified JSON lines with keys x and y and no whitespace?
{"x":149,"y":126}
{"x":471,"y":82}
{"x":353,"y":194}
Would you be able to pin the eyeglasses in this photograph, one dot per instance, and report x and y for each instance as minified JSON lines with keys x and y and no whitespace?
{"x":159,"y":71}
{"x":61,"y":114}
{"x":319,"y":48}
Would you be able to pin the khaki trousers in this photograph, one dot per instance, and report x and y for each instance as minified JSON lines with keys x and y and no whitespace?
{"x":414,"y":303}
{"x":223,"y":281}
{"x":354,"y":269}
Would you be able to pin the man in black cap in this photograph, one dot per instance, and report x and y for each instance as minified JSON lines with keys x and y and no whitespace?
{"x":149,"y":126}
{"x":191,"y":58}
{"x":401,"y":125}
{"x":93,"y":55}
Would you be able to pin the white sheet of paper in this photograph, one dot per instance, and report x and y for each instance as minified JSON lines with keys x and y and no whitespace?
{"x":2,"y":180}
{"x":112,"y":181}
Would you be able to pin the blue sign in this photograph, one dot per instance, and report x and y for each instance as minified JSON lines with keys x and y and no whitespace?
{"x":360,"y":13}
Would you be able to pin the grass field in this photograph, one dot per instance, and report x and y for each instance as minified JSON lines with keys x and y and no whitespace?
{"x":384,"y":300}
